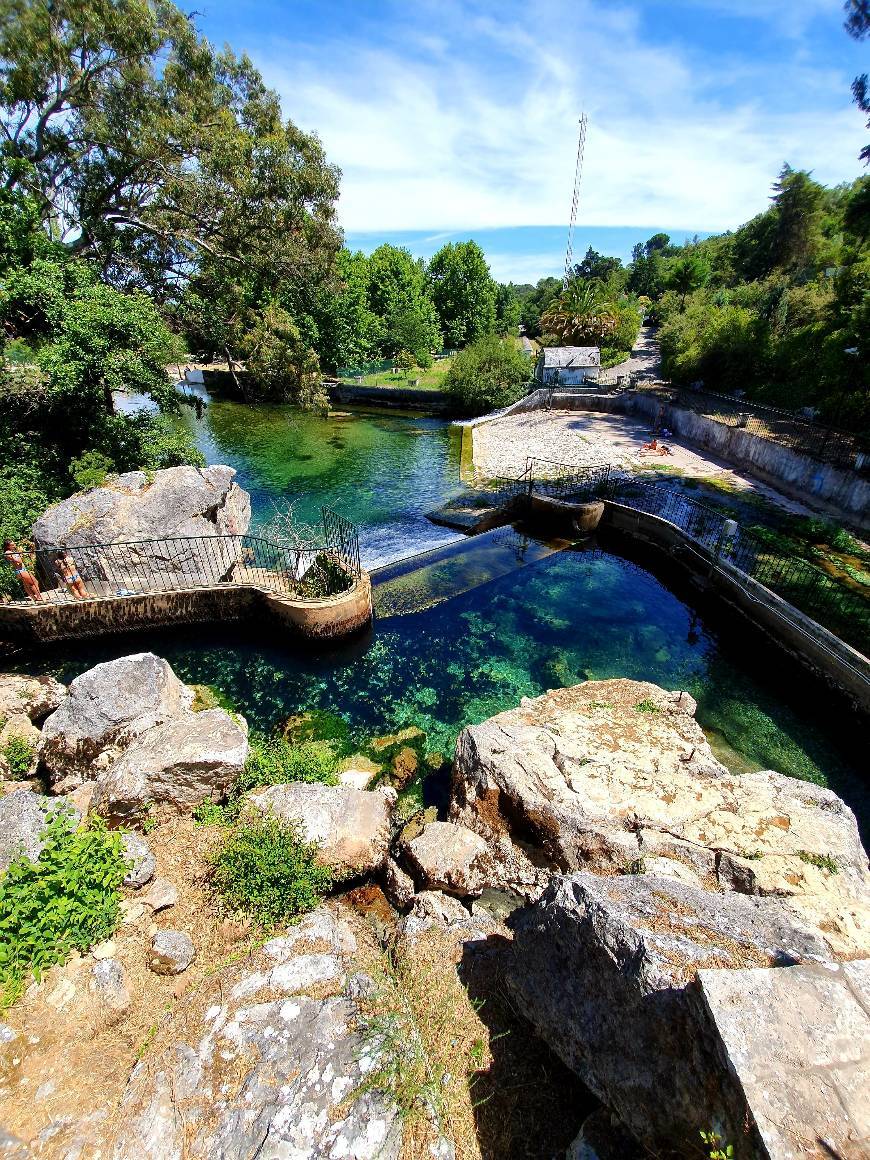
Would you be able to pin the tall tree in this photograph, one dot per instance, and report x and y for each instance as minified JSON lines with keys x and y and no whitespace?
{"x":147,"y":150}
{"x":596,"y":266}
{"x":398,"y":296}
{"x":581,"y":315}
{"x":798,"y":201}
{"x":858,"y":25}
{"x":464,"y":293}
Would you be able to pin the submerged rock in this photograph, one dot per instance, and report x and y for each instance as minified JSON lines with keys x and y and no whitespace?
{"x":178,"y":503}
{"x":350,"y":826}
{"x":258,"y":1068}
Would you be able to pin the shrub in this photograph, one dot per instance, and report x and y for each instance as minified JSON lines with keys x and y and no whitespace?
{"x":66,"y":900}
{"x":268,"y":871}
{"x":90,"y":470}
{"x":18,"y":752}
{"x":489,"y":373}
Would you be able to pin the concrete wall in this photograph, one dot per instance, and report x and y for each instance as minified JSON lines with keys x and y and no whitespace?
{"x":327,"y":619}
{"x":808,"y":641}
{"x":837,"y":492}
{"x":406,"y":398}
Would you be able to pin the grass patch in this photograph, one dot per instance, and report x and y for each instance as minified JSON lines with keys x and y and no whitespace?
{"x":431,"y":379}
{"x":647,"y":706}
{"x":820,"y":861}
{"x":268,"y":872}
{"x":66,"y":900}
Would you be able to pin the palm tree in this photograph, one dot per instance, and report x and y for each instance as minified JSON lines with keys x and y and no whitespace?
{"x":581,"y":315}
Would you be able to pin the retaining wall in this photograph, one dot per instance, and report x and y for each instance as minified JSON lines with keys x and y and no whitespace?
{"x":327,"y":619}
{"x":838,"y":492}
{"x":803,"y":637}
{"x":405,"y":398}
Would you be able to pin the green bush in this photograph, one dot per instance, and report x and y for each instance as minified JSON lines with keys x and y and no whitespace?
{"x":90,"y":470}
{"x":19,"y":756}
{"x":273,"y":761}
{"x":489,"y":373}
{"x":66,"y":900}
{"x":269,"y":872}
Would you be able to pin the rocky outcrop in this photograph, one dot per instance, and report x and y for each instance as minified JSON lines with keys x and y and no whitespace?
{"x":23,"y":818}
{"x":128,"y":726}
{"x":107,"y":707}
{"x":271,"y":1063}
{"x":193,"y":758}
{"x":604,"y":969}
{"x":617,"y":776}
{"x":448,"y":857}
{"x":350,"y":826}
{"x":178,"y":503}
{"x":31,"y":697}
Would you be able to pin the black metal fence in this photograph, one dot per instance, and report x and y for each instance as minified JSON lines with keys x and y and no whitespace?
{"x":303,"y":570}
{"x":571,"y":484}
{"x":800,"y":434}
{"x":842,"y":609}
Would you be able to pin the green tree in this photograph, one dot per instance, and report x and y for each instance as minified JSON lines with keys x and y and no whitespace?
{"x":687,"y":275}
{"x":279,"y":364}
{"x":350,"y":332}
{"x":488,"y":373}
{"x":398,"y":296}
{"x":858,"y":25}
{"x":798,"y":201}
{"x":508,"y":309}
{"x":596,"y":266}
{"x":464,"y":293}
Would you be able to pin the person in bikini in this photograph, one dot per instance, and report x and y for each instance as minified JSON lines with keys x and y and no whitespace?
{"x":15,"y":559}
{"x":68,"y":573}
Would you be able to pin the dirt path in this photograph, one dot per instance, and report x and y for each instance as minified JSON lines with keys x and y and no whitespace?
{"x":644,"y":360}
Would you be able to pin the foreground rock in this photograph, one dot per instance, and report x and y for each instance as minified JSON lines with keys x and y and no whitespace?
{"x":107,"y":707}
{"x":617,"y":776}
{"x":128,"y":727}
{"x":178,"y":503}
{"x":350,"y":826}
{"x":451,"y":858}
{"x":604,"y":970}
{"x":23,"y":818}
{"x":261,"y":1068}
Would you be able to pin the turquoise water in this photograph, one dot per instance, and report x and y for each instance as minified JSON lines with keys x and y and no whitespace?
{"x":505,"y":616}
{"x":385,"y":472}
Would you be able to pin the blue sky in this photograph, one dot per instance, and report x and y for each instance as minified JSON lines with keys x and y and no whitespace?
{"x":458,"y":118}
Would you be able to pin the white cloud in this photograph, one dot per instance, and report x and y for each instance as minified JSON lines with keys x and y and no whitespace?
{"x":465,"y":120}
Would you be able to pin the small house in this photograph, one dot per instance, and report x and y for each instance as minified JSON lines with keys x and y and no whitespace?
{"x":568,"y":366}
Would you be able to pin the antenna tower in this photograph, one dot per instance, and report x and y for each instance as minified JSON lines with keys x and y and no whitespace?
{"x":575,"y":200}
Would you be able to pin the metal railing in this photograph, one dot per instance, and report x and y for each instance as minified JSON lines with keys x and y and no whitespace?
{"x":843,"y":609}
{"x":303,"y":571}
{"x":798,"y":433}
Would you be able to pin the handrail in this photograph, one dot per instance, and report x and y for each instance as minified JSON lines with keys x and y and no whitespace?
{"x":303,"y":571}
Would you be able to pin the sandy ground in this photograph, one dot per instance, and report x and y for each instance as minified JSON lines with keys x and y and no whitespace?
{"x":586,"y":438}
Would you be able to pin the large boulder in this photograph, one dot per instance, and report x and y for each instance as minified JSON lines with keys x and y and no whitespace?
{"x":23,"y":818}
{"x":31,"y":697}
{"x":605,"y":970}
{"x":180,"y":504}
{"x":350,"y":826}
{"x":269,"y":1060}
{"x":191,"y":758}
{"x":107,"y":707}
{"x":616,"y":776}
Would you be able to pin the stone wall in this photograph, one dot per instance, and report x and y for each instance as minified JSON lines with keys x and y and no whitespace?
{"x":334,"y":617}
{"x":812,"y":644}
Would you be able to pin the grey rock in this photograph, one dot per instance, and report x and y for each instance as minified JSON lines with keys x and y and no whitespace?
{"x":319,"y":930}
{"x":797,"y":1045}
{"x":35,"y":697}
{"x":351,"y":827}
{"x":23,"y":817}
{"x":12,"y":1147}
{"x":398,"y":885}
{"x":260,"y":1073}
{"x":192,"y":758}
{"x":107,"y":707}
{"x":139,"y":858}
{"x":109,"y":984}
{"x":172,"y":952}
{"x":602,"y":1137}
{"x":605,"y":969}
{"x":161,"y":895}
{"x":179,"y":503}
{"x":451,"y":858}
{"x":432,"y":910}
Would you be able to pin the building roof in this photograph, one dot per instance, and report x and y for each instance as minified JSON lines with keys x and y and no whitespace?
{"x":571,"y":356}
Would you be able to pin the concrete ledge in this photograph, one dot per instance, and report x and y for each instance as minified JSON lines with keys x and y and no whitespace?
{"x":804,"y":638}
{"x":405,"y":398}
{"x":327,"y":619}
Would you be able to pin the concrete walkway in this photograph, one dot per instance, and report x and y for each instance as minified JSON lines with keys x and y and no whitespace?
{"x":644,"y":360}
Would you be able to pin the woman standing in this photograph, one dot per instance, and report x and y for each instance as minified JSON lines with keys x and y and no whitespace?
{"x":15,"y":558}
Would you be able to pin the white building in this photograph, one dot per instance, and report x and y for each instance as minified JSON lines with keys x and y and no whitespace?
{"x":568,"y":366}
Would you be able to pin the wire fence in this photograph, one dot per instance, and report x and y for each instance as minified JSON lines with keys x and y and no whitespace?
{"x":798,"y":433}
{"x":304,"y":570}
{"x":361,"y":370}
